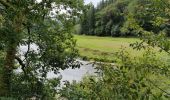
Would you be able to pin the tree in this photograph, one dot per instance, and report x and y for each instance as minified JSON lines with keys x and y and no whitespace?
{"x":112,"y":17}
{"x":29,"y":22}
{"x":149,"y":19}
{"x":91,"y":19}
{"x":88,"y":20}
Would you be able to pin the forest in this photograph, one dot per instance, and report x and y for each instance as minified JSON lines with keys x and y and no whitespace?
{"x":48,"y":48}
{"x":117,"y":18}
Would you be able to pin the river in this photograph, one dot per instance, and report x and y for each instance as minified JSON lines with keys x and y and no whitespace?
{"x":74,"y":74}
{"x":68,"y":74}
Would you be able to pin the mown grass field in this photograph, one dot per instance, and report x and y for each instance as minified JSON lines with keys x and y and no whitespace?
{"x":104,"y":48}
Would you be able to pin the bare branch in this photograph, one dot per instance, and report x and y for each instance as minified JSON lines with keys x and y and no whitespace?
{"x":21,"y":63}
{"x":29,"y":42}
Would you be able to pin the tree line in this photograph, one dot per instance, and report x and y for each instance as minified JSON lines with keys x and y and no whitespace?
{"x":111,"y":18}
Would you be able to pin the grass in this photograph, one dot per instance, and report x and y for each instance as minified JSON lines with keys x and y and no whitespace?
{"x":104,"y":48}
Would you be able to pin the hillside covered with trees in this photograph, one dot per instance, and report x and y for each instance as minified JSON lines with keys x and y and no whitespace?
{"x":117,"y":18}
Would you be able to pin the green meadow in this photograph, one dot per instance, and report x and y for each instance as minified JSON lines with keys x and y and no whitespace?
{"x":105,"y":48}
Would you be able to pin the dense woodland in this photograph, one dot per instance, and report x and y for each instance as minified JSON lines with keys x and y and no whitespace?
{"x":28,"y":22}
{"x":112,"y":18}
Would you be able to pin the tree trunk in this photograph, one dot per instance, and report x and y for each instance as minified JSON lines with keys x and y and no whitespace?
{"x":14,"y":38}
{"x":7,"y":70}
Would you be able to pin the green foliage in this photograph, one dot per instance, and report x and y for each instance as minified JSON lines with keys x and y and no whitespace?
{"x":129,"y":17}
{"x":108,"y":14}
{"x":115,"y":30}
{"x":139,"y":78}
{"x":34,"y":87}
{"x":147,"y":16}
{"x":27,"y":23}
{"x":151,"y":25}
{"x":133,"y":78}
{"x":88,"y":20}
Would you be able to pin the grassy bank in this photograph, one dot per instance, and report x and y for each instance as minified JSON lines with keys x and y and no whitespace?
{"x":104,"y":48}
